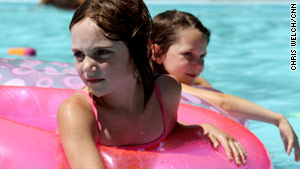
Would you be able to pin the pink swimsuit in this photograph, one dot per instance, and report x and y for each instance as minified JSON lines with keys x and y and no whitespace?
{"x":155,"y":144}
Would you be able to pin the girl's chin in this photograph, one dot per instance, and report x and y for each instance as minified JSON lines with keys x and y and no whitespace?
{"x":96,"y":92}
{"x":188,"y":82}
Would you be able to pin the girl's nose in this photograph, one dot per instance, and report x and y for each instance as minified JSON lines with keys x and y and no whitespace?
{"x":89,"y":64}
{"x":196,"y":64}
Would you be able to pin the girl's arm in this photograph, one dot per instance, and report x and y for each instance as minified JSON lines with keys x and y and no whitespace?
{"x":216,"y":136}
{"x":202,"y":82}
{"x":249,"y":110}
{"x":171,"y":92}
{"x":232,"y":147}
{"x":170,"y":89}
{"x":78,"y":129}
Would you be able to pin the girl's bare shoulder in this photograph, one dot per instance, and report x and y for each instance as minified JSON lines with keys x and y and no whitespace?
{"x":76,"y":109}
{"x":168,"y":84}
{"x":170,"y":89}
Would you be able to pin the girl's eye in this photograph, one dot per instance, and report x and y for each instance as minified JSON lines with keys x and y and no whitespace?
{"x":201,"y":59}
{"x":188,"y":56}
{"x":79,"y":56}
{"x":203,"y":56}
{"x":102,"y":54}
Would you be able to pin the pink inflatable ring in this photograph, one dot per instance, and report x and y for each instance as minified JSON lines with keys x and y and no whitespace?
{"x":28,"y":139}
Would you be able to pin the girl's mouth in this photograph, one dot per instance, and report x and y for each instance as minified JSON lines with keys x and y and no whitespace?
{"x":191,"y":75}
{"x":92,"y":81}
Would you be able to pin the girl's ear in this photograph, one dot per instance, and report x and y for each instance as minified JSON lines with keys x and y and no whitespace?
{"x":156,"y":54}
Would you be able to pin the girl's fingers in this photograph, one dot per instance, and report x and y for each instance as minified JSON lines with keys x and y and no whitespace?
{"x":227,"y":148}
{"x":285,"y":142}
{"x":242,"y":151}
{"x":289,"y":147}
{"x":236,"y":153}
{"x":297,"y":151}
{"x":243,"y":148}
{"x":297,"y":155}
{"x":214,"y":142}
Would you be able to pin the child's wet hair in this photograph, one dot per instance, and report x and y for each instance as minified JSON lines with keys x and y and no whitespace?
{"x":128,"y":21}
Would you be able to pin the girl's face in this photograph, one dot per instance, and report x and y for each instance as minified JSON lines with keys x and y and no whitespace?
{"x":185,"y":58}
{"x":102,"y":64}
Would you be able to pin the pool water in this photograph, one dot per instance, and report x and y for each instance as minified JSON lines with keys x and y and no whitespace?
{"x":248,"y":55}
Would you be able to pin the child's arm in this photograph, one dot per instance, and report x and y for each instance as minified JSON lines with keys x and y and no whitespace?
{"x":77,"y":127}
{"x":232,"y":147}
{"x":202,"y":82}
{"x":170,"y":89}
{"x":249,"y":110}
{"x":171,"y":92}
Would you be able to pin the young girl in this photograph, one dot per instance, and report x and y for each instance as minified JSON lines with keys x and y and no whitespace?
{"x":179,"y":48}
{"x":122,"y":104}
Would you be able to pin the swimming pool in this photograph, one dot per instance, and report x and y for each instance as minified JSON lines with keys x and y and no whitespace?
{"x":248,"y":55}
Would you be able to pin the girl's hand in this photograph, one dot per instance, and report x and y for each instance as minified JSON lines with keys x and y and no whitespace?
{"x":232,"y":147}
{"x":289,"y":138}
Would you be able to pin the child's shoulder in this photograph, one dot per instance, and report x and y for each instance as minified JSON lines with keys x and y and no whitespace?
{"x":168,"y":82}
{"x":76,"y":104}
{"x":75,"y":116}
{"x":170,"y":90}
{"x":76,"y":98}
{"x":169,"y":87}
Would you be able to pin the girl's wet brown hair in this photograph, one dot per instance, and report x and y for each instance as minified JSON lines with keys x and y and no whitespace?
{"x":128,"y":21}
{"x":165,"y":28}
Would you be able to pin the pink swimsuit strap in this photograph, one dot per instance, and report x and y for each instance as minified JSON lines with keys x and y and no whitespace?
{"x":156,"y":144}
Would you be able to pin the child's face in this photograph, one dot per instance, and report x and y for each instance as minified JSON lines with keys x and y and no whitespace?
{"x":102,"y":64}
{"x":185,"y":58}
